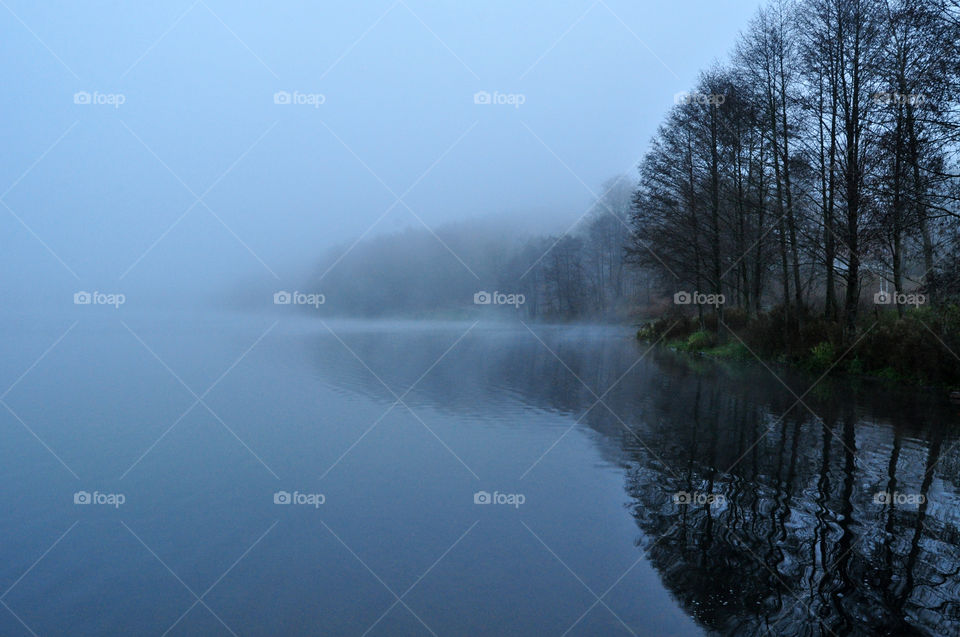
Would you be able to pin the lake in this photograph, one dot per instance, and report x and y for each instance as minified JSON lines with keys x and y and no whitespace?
{"x":285,"y":474}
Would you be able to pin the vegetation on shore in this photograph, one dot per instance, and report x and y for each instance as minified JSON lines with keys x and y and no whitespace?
{"x":918,"y":348}
{"x":801,"y":203}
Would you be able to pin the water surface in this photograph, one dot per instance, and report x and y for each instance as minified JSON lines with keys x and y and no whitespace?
{"x":200,"y":424}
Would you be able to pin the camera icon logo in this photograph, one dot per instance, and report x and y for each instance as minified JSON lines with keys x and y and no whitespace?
{"x":82,"y":298}
{"x":482,"y":298}
{"x":81,"y":97}
{"x":281,"y":497}
{"x":882,"y":298}
{"x":281,"y":97}
{"x":481,"y":97}
{"x":482,"y":497}
{"x":81,"y":497}
{"x":282,"y":298}
{"x":682,"y":298}
{"x":682,"y":497}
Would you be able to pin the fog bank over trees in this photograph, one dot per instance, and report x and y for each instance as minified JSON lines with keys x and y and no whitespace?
{"x":579,"y":274}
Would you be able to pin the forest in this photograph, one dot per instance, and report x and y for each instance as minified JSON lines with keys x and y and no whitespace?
{"x":811,"y":179}
{"x":800,"y":201}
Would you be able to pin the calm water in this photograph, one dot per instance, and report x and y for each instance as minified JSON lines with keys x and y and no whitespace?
{"x":185,"y":431}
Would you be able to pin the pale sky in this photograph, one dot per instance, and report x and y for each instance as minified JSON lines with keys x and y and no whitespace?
{"x":186,"y":91}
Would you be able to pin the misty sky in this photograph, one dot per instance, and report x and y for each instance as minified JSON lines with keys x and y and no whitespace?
{"x":100,"y":184}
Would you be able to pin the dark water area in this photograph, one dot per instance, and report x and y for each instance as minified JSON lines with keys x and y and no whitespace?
{"x":839,"y":496}
{"x":291,"y":476}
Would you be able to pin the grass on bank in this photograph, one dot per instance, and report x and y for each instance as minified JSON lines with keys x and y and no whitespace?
{"x":920,"y":348}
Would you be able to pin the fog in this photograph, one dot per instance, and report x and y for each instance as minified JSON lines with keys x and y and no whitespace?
{"x":492,"y":318}
{"x":150,"y":150}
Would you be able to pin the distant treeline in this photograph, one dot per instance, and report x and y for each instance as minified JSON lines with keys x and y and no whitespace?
{"x":577,"y":275}
{"x":814,"y":169}
{"x":812,"y":180}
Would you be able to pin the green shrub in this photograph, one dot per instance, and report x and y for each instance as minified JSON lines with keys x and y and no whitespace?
{"x":700,"y":340}
{"x":646,"y":332}
{"x":731,"y":350}
{"x":667,"y":328}
{"x":822,"y":356}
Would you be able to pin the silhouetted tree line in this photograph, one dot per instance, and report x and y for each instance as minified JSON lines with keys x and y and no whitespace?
{"x":818,"y":162}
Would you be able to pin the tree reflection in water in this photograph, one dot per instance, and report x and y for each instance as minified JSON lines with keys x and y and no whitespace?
{"x":797,"y":541}
{"x":801,"y":543}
